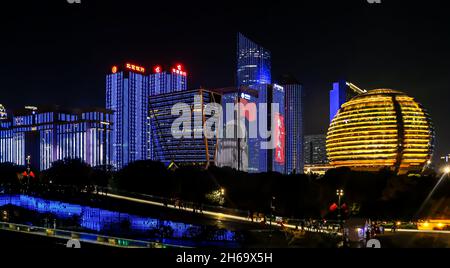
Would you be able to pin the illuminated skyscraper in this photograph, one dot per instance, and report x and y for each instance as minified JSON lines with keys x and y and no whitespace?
{"x":254,"y":70}
{"x":338,"y":96}
{"x":127,"y":93}
{"x":237,"y":114}
{"x":267,"y":152}
{"x":294,"y":124}
{"x":162,"y":82}
{"x":342,"y":92}
{"x":253,"y":63}
{"x":196,"y":149}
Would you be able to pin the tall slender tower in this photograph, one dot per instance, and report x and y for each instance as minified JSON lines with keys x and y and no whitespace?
{"x":294,"y":124}
{"x":253,"y":63}
{"x":127,"y":93}
{"x":253,"y":70}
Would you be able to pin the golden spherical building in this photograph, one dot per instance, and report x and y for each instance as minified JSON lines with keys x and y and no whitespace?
{"x":378,"y":129}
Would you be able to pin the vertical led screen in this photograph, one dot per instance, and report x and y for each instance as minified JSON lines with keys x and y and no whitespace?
{"x":279,"y":139}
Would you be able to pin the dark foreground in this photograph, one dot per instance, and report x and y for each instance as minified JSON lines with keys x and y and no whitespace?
{"x":10,"y":239}
{"x":415,"y":240}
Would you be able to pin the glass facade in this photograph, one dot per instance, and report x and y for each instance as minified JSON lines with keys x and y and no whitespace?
{"x":164,"y":82}
{"x":340,"y":93}
{"x":315,"y":152}
{"x":253,"y":63}
{"x":294,"y":127}
{"x":195,"y":149}
{"x":233,"y":146}
{"x":254,"y":70}
{"x":272,"y":159}
{"x":337,"y":97}
{"x":127,"y":95}
{"x":52,"y":134}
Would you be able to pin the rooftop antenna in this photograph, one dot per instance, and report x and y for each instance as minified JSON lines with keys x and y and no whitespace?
{"x":355,"y":88}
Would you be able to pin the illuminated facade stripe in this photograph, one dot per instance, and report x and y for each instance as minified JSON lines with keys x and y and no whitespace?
{"x":381,"y":128}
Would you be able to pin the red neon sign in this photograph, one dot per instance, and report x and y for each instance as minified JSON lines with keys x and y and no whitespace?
{"x":179,"y":70}
{"x":157,"y":69}
{"x":279,"y":138}
{"x":136,"y":68}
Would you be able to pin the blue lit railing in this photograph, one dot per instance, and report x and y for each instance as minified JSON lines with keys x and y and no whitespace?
{"x":102,"y":220}
{"x":82,"y":237}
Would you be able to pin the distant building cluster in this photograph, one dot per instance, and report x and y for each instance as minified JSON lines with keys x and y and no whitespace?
{"x":47,"y":134}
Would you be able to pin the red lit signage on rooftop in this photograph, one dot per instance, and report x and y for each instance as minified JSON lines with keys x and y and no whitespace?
{"x":157,"y":69}
{"x":136,"y":68}
{"x":179,"y":70}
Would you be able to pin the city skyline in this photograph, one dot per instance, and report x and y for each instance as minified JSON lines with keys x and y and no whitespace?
{"x":315,"y":55}
{"x":199,"y":127}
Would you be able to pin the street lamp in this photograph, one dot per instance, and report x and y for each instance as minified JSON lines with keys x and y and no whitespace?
{"x":446,"y":170}
{"x":339,"y":193}
{"x":222,"y":196}
{"x":272,"y":210}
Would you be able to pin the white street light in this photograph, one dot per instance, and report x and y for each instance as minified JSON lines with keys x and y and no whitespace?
{"x":447,"y":170}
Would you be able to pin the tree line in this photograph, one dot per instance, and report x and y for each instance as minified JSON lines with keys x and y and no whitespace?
{"x":382,"y":195}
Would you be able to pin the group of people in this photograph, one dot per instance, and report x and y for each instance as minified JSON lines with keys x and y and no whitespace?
{"x":373,"y":230}
{"x":178,"y":203}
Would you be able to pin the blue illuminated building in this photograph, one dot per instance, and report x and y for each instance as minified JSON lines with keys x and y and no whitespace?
{"x":127,"y":93}
{"x":233,"y":150}
{"x":294,"y":125}
{"x":270,"y":131}
{"x":162,"y":82}
{"x":254,"y":71}
{"x":47,"y":134}
{"x":253,"y":63}
{"x":341,"y":93}
{"x":196,"y":149}
{"x":274,"y":159}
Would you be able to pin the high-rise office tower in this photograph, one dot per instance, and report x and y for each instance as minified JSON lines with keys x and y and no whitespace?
{"x":239,"y":111}
{"x":271,"y":131}
{"x":254,"y":71}
{"x":338,"y":96}
{"x":127,"y":93}
{"x":315,"y":150}
{"x":194,"y":147}
{"x":253,"y":63}
{"x":162,"y":82}
{"x":294,"y":124}
{"x":342,"y":92}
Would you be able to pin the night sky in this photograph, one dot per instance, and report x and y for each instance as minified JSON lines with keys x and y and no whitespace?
{"x":55,"y":52}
